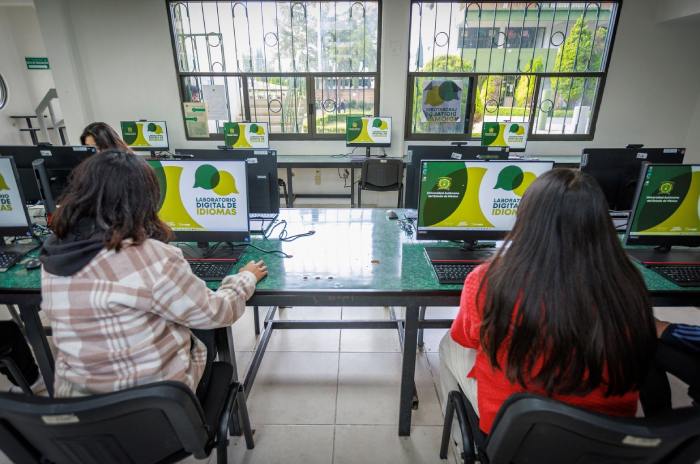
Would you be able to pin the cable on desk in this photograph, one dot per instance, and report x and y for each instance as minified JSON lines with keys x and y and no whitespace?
{"x":269,"y":252}
{"x":284,"y":235}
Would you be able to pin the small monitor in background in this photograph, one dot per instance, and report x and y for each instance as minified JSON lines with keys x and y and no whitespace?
{"x":14,"y":217}
{"x":416,"y":154}
{"x":145,"y":135}
{"x":505,"y":134}
{"x":59,"y":162}
{"x":204,"y":201}
{"x":247,"y":135}
{"x":364,"y":131}
{"x":617,"y":170}
{"x":261,"y":169}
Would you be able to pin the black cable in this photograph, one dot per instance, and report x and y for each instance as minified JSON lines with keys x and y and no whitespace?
{"x":284,"y":235}
{"x":269,"y":252}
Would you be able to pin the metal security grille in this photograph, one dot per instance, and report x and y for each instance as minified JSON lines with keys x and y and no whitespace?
{"x":539,"y":62}
{"x":300,"y":66}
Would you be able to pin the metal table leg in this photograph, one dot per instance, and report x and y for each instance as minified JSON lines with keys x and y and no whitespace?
{"x":256,"y":319}
{"x":290,"y":188}
{"x":408,"y":370}
{"x":421,"y":317}
{"x":39,"y":343}
{"x":352,"y":187}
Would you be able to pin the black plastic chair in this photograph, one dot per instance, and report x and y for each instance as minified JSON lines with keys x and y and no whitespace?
{"x":381,"y":175}
{"x":8,"y":363}
{"x":530,"y":428}
{"x":158,"y":423}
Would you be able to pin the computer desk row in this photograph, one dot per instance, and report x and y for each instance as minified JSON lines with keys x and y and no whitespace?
{"x":357,"y":257}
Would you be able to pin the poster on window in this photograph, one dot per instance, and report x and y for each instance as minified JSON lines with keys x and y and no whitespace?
{"x":442,"y":101}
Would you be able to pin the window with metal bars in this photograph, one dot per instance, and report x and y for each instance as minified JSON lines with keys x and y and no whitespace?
{"x":300,"y":66}
{"x":544,"y":63}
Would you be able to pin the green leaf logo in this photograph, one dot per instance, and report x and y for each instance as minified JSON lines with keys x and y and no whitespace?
{"x":666,"y":187}
{"x":510,"y":178}
{"x":448,"y":91}
{"x":3,"y":184}
{"x":209,"y":178}
{"x":206,"y":177}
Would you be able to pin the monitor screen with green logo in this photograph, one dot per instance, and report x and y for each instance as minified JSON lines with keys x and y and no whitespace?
{"x":246,"y":135}
{"x":14,"y":219}
{"x":145,"y":135}
{"x":204,"y":200}
{"x":362,"y":131}
{"x":667,"y":206}
{"x":472,"y":200}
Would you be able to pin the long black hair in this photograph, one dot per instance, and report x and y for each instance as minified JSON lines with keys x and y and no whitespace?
{"x":119,"y":193}
{"x":105,"y":137}
{"x":564,"y":308}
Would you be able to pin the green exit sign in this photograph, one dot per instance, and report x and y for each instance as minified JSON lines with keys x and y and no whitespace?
{"x":36,"y":62}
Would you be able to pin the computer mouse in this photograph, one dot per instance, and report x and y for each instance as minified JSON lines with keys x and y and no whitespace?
{"x":32,"y":264}
{"x":391,"y":214}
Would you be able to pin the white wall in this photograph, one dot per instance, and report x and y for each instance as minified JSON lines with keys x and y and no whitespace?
{"x":20,"y":37}
{"x":122,"y":68}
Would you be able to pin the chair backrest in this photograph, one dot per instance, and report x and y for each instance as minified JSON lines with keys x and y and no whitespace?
{"x":530,"y":428}
{"x":146,"y":424}
{"x":382,"y":172}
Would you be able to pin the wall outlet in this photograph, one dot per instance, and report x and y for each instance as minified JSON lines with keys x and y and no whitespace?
{"x":317,"y":177}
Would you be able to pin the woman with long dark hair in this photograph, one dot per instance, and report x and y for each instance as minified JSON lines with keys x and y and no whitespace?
{"x":560,"y":310}
{"x":101,"y":136}
{"x":121,"y":301}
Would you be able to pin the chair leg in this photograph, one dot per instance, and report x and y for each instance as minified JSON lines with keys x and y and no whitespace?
{"x":256,"y":317}
{"x":16,"y":375}
{"x":447,"y":428}
{"x":359,"y":196}
{"x":455,"y":404}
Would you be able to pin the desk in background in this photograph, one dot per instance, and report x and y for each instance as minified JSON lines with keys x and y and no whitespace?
{"x":356,"y":258}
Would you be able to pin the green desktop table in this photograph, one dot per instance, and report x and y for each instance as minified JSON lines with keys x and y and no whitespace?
{"x":356,"y":257}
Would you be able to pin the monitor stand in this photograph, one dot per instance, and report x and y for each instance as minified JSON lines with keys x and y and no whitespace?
{"x":223,"y":251}
{"x":470,"y":252}
{"x":664,"y":255}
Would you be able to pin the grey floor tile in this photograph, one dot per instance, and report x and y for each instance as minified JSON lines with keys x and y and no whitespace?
{"x":285,"y":444}
{"x":368,"y":390}
{"x":432,"y":337}
{"x":369,"y":341}
{"x":365,"y":312}
{"x":361,"y":444}
{"x":191,"y":460}
{"x":242,"y":362}
{"x":4,"y":459}
{"x":294,"y":388}
{"x":322,"y":340}
{"x":325,"y":340}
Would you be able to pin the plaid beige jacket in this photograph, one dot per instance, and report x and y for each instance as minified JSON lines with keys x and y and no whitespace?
{"x":123,"y":319}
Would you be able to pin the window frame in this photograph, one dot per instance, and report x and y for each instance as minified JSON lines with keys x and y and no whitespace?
{"x":471,"y":104}
{"x":310,"y":79}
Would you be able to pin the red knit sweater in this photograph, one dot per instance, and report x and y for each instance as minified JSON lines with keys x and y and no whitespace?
{"x":493,"y":388}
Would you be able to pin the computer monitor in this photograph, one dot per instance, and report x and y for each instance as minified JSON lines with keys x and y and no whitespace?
{"x":416,"y":154}
{"x":617,"y":170}
{"x":14,"y":217}
{"x":204,"y":201}
{"x":145,"y":135}
{"x":247,"y":135}
{"x":365,"y":131}
{"x":59,"y":162}
{"x":472,"y":200}
{"x":666,"y":212}
{"x":263,"y":188}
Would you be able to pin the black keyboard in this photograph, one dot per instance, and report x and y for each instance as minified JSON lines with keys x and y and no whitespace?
{"x":8,"y":259}
{"x":453,"y":273}
{"x":684,"y":275}
{"x":208,"y":269}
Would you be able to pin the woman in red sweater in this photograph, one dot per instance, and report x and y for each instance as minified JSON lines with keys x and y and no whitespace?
{"x":559,"y":311}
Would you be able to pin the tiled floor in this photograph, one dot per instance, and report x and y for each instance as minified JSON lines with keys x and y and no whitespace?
{"x":331,"y":396}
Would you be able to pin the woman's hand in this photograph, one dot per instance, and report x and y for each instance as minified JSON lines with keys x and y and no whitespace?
{"x":259,"y":269}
